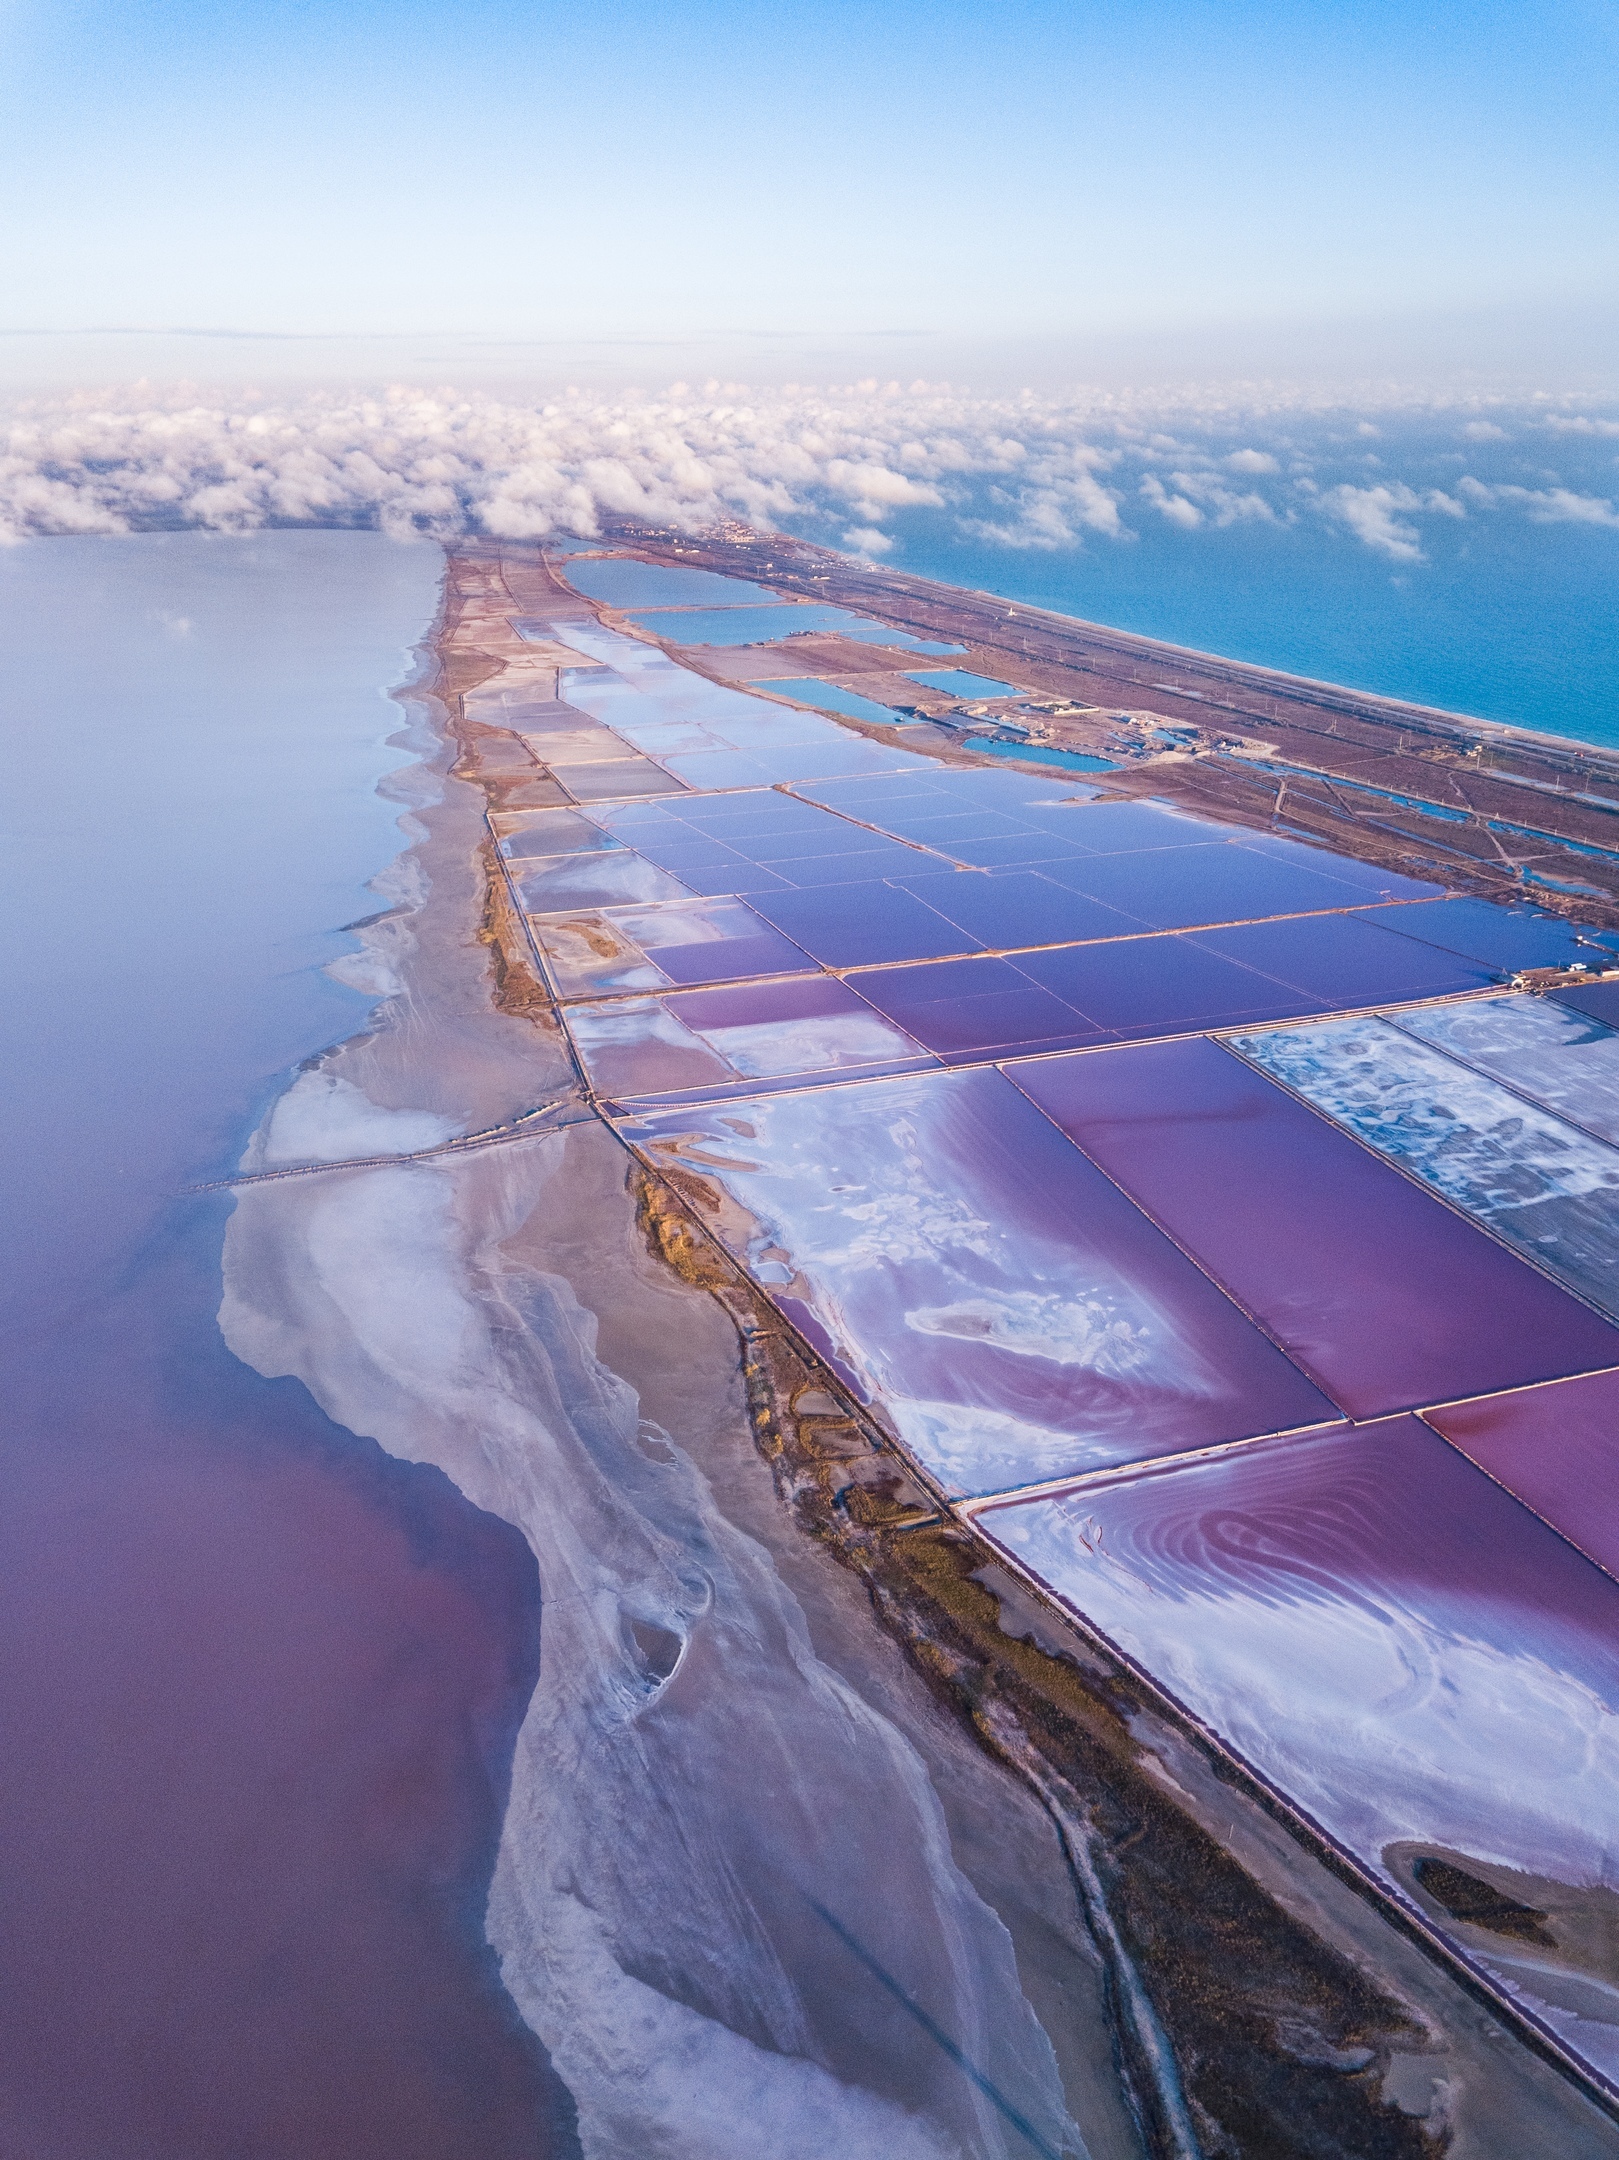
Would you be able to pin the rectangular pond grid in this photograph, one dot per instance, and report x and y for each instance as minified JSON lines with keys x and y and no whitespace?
{"x":668,"y":945}
{"x":1214,"y":882}
{"x":713,"y":1039}
{"x":1420,"y":1666}
{"x":1010,"y":908}
{"x":1015,"y":1314}
{"x":1116,"y":1297}
{"x":1348,"y":960}
{"x":1543,"y":1186}
{"x":1386,"y":1296}
{"x":846,"y":926}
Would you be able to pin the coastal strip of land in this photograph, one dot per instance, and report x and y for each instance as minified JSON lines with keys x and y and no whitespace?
{"x":1503,"y":812}
{"x":1209,"y":1909}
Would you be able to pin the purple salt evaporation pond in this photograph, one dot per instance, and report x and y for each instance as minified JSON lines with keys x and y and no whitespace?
{"x":531,"y":835}
{"x":1072,"y":995}
{"x":678,"y":936}
{"x":691,"y":941}
{"x":763,"y":740}
{"x":851,"y":925}
{"x":974,"y":1007}
{"x":1161,"y":986}
{"x":609,"y":878}
{"x":1210,"y":882}
{"x":861,"y":864}
{"x":787,"y":760}
{"x":1504,"y":938}
{"x":1370,"y":879}
{"x":715,"y":1038}
{"x":952,"y":824}
{"x":1018,"y":908}
{"x":1539,"y":1184}
{"x":1119,"y":828}
{"x":1380,"y":1291}
{"x":737,"y":875}
{"x":754,"y":841}
{"x":1015,"y":1316}
{"x":936,"y":807}
{"x":732,"y":959}
{"x":808,"y":1025}
{"x":1347,"y":961}
{"x":1599,"y":1001}
{"x":759,"y":813}
{"x":1033,"y":849}
{"x":1394,"y":1643}
{"x":635,"y":1046}
{"x":1557,"y":1448}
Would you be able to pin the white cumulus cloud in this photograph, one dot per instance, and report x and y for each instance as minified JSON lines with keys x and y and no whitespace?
{"x":850,"y":464}
{"x":1561,"y":506}
{"x":1373,"y":515}
{"x":1174,"y":507}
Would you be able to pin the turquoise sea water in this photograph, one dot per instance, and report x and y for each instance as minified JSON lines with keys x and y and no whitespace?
{"x":1524,"y":628}
{"x":1507,"y":608}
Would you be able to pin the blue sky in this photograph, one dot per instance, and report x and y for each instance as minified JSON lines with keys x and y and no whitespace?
{"x":933,"y":174}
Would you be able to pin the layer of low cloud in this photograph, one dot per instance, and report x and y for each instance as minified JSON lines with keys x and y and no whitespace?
{"x":849,"y":465}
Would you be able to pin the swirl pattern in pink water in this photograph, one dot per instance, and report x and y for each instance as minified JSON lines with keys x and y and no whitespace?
{"x":1385,"y":1634}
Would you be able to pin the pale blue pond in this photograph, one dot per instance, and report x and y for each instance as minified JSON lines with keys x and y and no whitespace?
{"x":809,"y":690}
{"x":956,"y":682}
{"x":620,"y":582}
{"x":1033,"y":753}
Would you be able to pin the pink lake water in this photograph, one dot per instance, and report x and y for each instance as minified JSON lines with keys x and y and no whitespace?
{"x":258,"y":1682}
